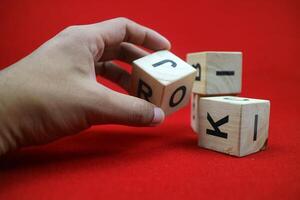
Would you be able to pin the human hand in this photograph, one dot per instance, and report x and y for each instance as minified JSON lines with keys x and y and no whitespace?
{"x":53,"y":92}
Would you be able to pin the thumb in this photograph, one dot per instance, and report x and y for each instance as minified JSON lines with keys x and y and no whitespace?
{"x":111,"y":107}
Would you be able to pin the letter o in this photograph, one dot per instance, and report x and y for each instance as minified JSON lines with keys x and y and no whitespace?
{"x":171,"y":102}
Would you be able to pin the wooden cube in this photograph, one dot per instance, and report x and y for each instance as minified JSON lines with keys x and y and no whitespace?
{"x":163,"y":79}
{"x":233,"y":125}
{"x":218,"y":73}
{"x":195,"y":111}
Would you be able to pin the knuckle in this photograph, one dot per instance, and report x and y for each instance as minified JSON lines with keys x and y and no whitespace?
{"x":73,"y":31}
{"x":123,"y":19}
{"x":71,"y":28}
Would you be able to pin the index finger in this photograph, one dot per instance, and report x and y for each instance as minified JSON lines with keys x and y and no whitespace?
{"x":115,"y":31}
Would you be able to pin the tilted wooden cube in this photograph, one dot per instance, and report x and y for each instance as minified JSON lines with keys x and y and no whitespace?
{"x":163,"y":79}
{"x":218,"y":73}
{"x":233,"y":125}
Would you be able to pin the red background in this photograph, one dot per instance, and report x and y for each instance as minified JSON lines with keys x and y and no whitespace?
{"x":111,"y":162}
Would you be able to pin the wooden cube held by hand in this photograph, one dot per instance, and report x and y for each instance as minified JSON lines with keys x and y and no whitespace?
{"x":163,"y":79}
{"x":233,"y":125}
{"x":218,"y":73}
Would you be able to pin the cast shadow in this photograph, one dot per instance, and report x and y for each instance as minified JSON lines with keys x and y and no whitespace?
{"x":108,"y":144}
{"x":102,"y":146}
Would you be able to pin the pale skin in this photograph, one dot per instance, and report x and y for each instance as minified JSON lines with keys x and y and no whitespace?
{"x":53,"y":92}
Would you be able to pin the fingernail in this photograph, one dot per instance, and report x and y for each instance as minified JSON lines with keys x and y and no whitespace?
{"x":158,"y":118}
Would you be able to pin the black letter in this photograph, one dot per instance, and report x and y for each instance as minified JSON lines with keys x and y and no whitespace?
{"x":144,"y":89}
{"x":255,"y":127}
{"x":215,"y":125}
{"x":198,"y":68}
{"x":171,"y":102}
{"x":225,"y":73}
{"x":173,"y":64}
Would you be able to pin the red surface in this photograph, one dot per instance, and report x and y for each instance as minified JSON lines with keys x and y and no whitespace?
{"x":117,"y":162}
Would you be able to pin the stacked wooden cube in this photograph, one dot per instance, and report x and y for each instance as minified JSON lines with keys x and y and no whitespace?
{"x":234,"y":125}
{"x":229,"y":124}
